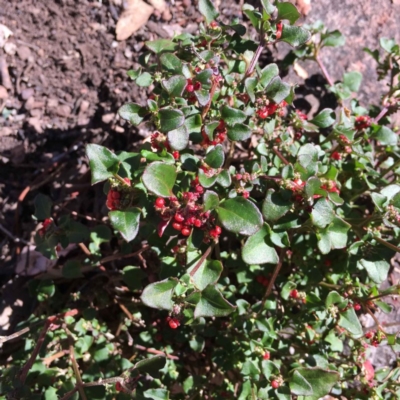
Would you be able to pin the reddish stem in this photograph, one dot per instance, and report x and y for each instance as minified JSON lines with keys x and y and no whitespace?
{"x":324,"y":71}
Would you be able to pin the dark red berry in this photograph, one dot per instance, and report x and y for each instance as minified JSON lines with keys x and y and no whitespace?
{"x":246,"y":194}
{"x":199,"y":189}
{"x":179,"y":217}
{"x":218,"y":230}
{"x":177,"y":226}
{"x":160,"y":202}
{"x":266,"y":355}
{"x":369,"y":335}
{"x":336,"y":156}
{"x":275,"y":384}
{"x":173,"y":323}
{"x":294,"y":294}
{"x":357,"y":306}
{"x":176,"y":155}
{"x":118,"y":386}
{"x":185,"y":231}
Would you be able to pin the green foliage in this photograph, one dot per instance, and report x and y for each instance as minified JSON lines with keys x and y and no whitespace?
{"x":243,"y":240}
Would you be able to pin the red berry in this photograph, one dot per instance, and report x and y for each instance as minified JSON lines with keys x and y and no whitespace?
{"x":176,"y":155}
{"x":266,"y":355}
{"x":279,"y":27}
{"x":128,"y":181}
{"x":197,"y":223}
{"x":294,"y":294}
{"x":336,"y":155}
{"x":260,"y":279}
{"x":177,"y":226}
{"x":197,"y":86}
{"x":115,"y":195}
{"x":369,"y":335}
{"x":275,"y":384}
{"x":357,"y":306}
{"x":246,"y":194}
{"x":160,"y":202}
{"x":199,"y":189}
{"x":221,"y":125}
{"x":179,"y":217}
{"x":173,"y":323}
{"x":218,"y":230}
{"x":118,"y":386}
{"x":362,"y":122}
{"x":185,"y":231}
{"x":213,"y":24}
{"x":46,"y":223}
{"x":328,"y":263}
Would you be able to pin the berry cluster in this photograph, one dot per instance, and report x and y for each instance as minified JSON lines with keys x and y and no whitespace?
{"x":267,"y":108}
{"x":45,"y":226}
{"x":375,"y":337}
{"x":173,"y":322}
{"x":187,"y":214}
{"x":219,"y":135}
{"x":336,"y":156}
{"x":116,"y":196}
{"x":362,"y":122}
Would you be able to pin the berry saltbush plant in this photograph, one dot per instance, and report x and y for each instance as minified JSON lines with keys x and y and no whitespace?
{"x":261,"y":235}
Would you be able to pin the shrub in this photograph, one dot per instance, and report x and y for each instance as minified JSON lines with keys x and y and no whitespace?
{"x":260,"y":235}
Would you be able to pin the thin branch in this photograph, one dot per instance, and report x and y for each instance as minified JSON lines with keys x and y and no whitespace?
{"x":202,"y":259}
{"x":273,"y":278}
{"x":279,"y":154}
{"x":381,"y":114}
{"x":387,"y":244}
{"x":75,"y":365}
{"x":154,"y":351}
{"x":15,"y":335}
{"x":116,"y":176}
{"x":119,"y":256}
{"x":12,"y":237}
{"x":50,"y":320}
{"x":324,"y":70}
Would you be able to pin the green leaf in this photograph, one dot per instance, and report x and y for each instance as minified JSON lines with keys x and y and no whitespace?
{"x":212,"y":304}
{"x":295,"y":35}
{"x":320,"y":380}
{"x":159,"y":294}
{"x":102,"y":162}
{"x":268,"y":73}
{"x":208,"y":273}
{"x":386,"y":136}
{"x":239,"y":215}
{"x":277,"y":90}
{"x":333,"y":39}
{"x":159,"y":178}
{"x":204,"y":77}
{"x":133,"y":73}
{"x":207,"y":9}
{"x":250,"y":85}
{"x":132,"y":112}
{"x":171,"y":63}
{"x":334,"y":236}
{"x":224,"y":179}
{"x":377,"y":270}
{"x":174,"y":85}
{"x":232,"y":116}
{"x":349,"y":321}
{"x":352,"y":80}
{"x":43,"y":206}
{"x":215,"y":157}
{"x":269,"y":368}
{"x":307,"y":157}
{"x":276,"y":205}
{"x":333,"y":298}
{"x":239,"y":132}
{"x":211,"y":200}
{"x":170,"y":119}
{"x":178,"y":139}
{"x":144,"y":80}
{"x":268,"y":7}
{"x":160,"y":45}
{"x":325,"y":118}
{"x":151,"y":366}
{"x":322,"y":213}
{"x":202,"y":96}
{"x":206,"y":181}
{"x":126,"y":222}
{"x":257,"y":251}
{"x":133,"y":277}
{"x":387,"y":44}
{"x":72,"y":269}
{"x":299,"y":385}
{"x":156,"y":394}
{"x":287,"y":11}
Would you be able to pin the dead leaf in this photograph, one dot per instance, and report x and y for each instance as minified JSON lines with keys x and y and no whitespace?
{"x":5,"y":33}
{"x":136,"y":14}
{"x":300,"y":71}
{"x":159,"y":5}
